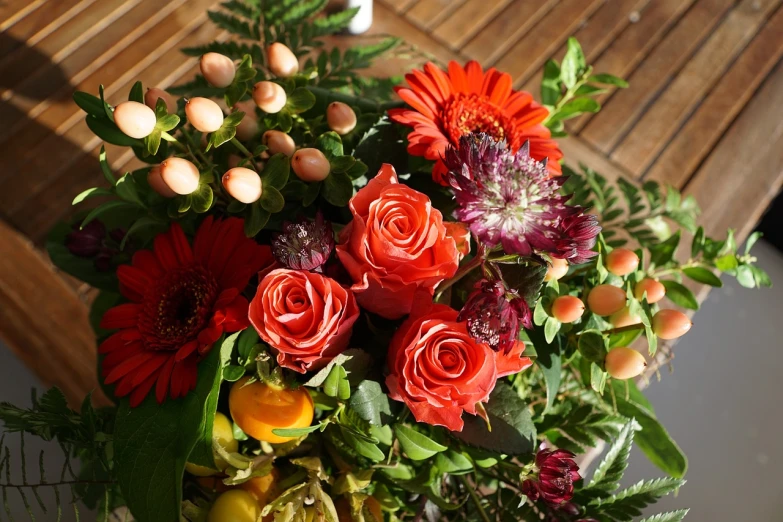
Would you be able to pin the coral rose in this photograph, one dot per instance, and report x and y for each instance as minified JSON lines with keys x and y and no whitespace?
{"x":395,"y":245}
{"x":439,"y":371}
{"x":305,"y":316}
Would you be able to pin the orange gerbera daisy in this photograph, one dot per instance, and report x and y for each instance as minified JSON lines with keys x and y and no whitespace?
{"x":449,"y":105}
{"x":182,"y":299}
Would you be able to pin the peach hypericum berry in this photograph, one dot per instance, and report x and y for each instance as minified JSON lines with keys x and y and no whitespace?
{"x":310,"y":165}
{"x":248,"y":127}
{"x":624,"y":318}
{"x":622,"y":261}
{"x":556,"y":270}
{"x":670,"y":324}
{"x":269,"y":97}
{"x":204,"y":114}
{"x":157,"y":184}
{"x":217,"y":69}
{"x":281,"y":60}
{"x":180,"y":175}
{"x":567,"y":308}
{"x":624,"y":363}
{"x":340,"y":117}
{"x":243,"y":184}
{"x":655,"y":290}
{"x":606,"y":299}
{"x":135,"y":119}
{"x":153,"y":94}
{"x":279,"y":142}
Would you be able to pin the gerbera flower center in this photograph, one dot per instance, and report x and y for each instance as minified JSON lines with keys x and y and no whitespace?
{"x":466,"y":113}
{"x":178,"y":308}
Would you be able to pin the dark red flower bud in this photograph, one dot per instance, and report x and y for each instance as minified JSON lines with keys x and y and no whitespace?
{"x":86,"y":242}
{"x":579,"y":233}
{"x":492,"y":317}
{"x":553,"y":482}
{"x":304,"y":244}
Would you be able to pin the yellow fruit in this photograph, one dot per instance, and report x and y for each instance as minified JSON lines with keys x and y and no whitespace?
{"x":134,"y":119}
{"x":263,"y":488}
{"x":204,"y":114}
{"x":217,"y":69}
{"x":340,"y":117}
{"x":243,"y":184}
{"x":151,"y":99}
{"x":223,"y":432}
{"x":624,"y":363}
{"x":624,"y":318}
{"x":259,"y":408}
{"x":655,"y":290}
{"x":235,"y":505}
{"x":606,"y":299}
{"x":281,"y":60}
{"x":556,"y":270}
{"x":279,"y":142}
{"x":567,"y":308}
{"x":310,"y":165}
{"x":248,"y":127}
{"x":269,"y":97}
{"x":622,"y":261}
{"x":670,"y":324}
{"x":157,"y":184}
{"x":180,"y":175}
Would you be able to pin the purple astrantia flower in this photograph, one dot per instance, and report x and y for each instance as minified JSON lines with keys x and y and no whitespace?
{"x":554,"y":477}
{"x":304,"y":244}
{"x":86,"y":241}
{"x":508,"y":199}
{"x":494,"y":319}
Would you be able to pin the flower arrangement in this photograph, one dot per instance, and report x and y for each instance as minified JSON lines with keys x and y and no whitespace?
{"x":327,"y":299}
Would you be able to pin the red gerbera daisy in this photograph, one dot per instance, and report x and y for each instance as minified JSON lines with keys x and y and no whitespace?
{"x":183,"y":299}
{"x":447,"y":106}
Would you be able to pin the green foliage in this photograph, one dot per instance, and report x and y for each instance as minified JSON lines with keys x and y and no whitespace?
{"x":580,"y":427}
{"x":627,"y":504}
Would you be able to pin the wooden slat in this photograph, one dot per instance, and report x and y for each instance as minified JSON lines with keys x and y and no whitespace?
{"x":530,"y":53}
{"x":664,"y":117}
{"x":428,"y":13}
{"x":611,"y":124}
{"x":36,"y":25}
{"x":11,"y":11}
{"x":576,"y":152}
{"x":399,"y":6}
{"x":705,"y":127}
{"x":468,"y":19}
{"x":507,"y":27}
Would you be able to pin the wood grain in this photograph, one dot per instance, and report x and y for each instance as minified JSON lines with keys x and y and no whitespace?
{"x":467,"y":20}
{"x":41,"y":22}
{"x":428,"y":13}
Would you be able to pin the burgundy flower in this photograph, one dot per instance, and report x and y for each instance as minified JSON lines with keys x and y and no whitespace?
{"x":304,"y":244}
{"x":494,"y":315}
{"x":578,"y":239}
{"x":86,"y":241}
{"x":554,"y":480}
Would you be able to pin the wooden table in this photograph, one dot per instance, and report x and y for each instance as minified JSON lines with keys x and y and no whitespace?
{"x":703,"y":113}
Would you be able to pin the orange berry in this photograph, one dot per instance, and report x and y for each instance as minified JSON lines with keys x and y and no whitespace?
{"x":248,"y":127}
{"x":622,"y":261}
{"x":180,"y":175}
{"x":624,"y":363}
{"x":204,"y":114}
{"x":279,"y":142}
{"x":556,"y":270}
{"x":135,"y":119}
{"x":217,"y":69}
{"x":281,"y":60}
{"x":235,"y":505}
{"x":310,"y":165}
{"x":243,"y":184}
{"x":567,"y":308}
{"x":157,"y":184}
{"x":655,"y":290}
{"x":269,"y":97}
{"x":670,"y":324}
{"x":258,"y":408}
{"x":624,"y":318}
{"x":153,"y":94}
{"x":606,"y":299}
{"x":263,"y":488}
{"x":340,"y":117}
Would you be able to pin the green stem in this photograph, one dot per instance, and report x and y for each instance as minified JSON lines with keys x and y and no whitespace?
{"x":475,"y":498}
{"x":462,"y":272}
{"x":243,"y":150}
{"x":630,"y":328}
{"x":194,"y":149}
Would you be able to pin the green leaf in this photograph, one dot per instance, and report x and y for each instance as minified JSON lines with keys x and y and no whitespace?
{"x":91,"y":193}
{"x":550,"y":361}
{"x":357,"y":170}
{"x":295,"y":432}
{"x":271,"y":200}
{"x":108,"y":132}
{"x":105,"y":207}
{"x":623,"y":338}
{"x":525,"y":279}
{"x":353,"y":360}
{"x":727,"y":263}
{"x":702,"y":275}
{"x":576,"y":107}
{"x":551,"y":327}
{"x":224,"y":134}
{"x":300,"y":100}
{"x":608,"y":79}
{"x":752,"y":239}
{"x":90,"y":104}
{"x":629,"y":503}
{"x":311,"y":194}
{"x":369,"y":401}
{"x":332,"y":382}
{"x":141,"y":224}
{"x":79,"y":267}
{"x":232,"y":373}
{"x":201,"y":199}
{"x":338,"y":189}
{"x":276,"y":171}
{"x":574,"y":63}
{"x":330,"y":144}
{"x":152,"y":142}
{"x":589,"y":90}
{"x":362,"y":447}
{"x":105,"y":168}
{"x":513,"y":431}
{"x":760,"y":277}
{"x":680,"y":295}
{"x":550,"y":83}
{"x":592,"y":345}
{"x":415,"y":444}
{"x":698,"y":242}
{"x":662,"y":253}
{"x":256,"y":220}
{"x":671,"y":516}
{"x":745,"y":276}
{"x":136,"y":93}
{"x":341,"y":163}
{"x":597,"y":378}
{"x":127,"y":190}
{"x":610,"y":471}
{"x":453,"y":462}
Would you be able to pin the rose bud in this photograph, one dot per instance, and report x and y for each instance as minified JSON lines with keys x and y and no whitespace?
{"x":606,"y":299}
{"x":281,"y":60}
{"x":269,"y":97}
{"x":492,"y":318}
{"x":670,"y":324}
{"x":87,"y":241}
{"x":624,"y":363}
{"x":553,"y":477}
{"x":152,"y":96}
{"x":655,"y":290}
{"x":157,"y":184}
{"x":567,"y":308}
{"x":217,"y":69}
{"x":340,"y":117}
{"x":310,"y":165}
{"x":180,"y":175}
{"x":248,"y":127}
{"x":461,"y":236}
{"x":304,"y":244}
{"x":243,"y":184}
{"x":135,"y":119}
{"x":279,"y":142}
{"x":204,"y":114}
{"x":624,"y":318}
{"x":622,"y":261}
{"x":556,"y":270}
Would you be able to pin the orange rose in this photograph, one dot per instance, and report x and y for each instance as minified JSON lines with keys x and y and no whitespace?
{"x":395,"y":245}
{"x":461,"y":234}
{"x":305,"y":316}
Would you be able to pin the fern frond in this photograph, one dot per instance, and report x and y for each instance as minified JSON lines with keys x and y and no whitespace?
{"x":242,"y":9}
{"x":625,"y":505}
{"x":611,"y":469}
{"x":671,"y":516}
{"x":232,"y":49}
{"x":333,"y":23}
{"x":234,"y":25}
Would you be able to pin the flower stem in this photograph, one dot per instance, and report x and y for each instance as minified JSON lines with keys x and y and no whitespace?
{"x":195,"y":150}
{"x":462,"y":272}
{"x":238,"y":144}
{"x":475,"y":498}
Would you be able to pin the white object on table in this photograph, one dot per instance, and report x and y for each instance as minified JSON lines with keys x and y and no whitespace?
{"x":363,"y":19}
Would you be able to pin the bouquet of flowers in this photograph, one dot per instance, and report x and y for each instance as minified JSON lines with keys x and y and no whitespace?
{"x":337,"y":298}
